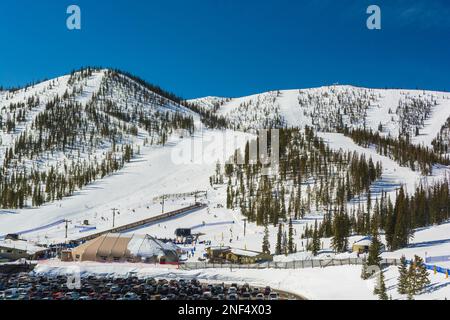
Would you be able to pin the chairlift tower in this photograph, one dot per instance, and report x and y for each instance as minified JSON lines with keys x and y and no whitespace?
{"x":114,"y":216}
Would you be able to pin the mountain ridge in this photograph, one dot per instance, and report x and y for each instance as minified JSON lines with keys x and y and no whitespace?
{"x":62,"y":134}
{"x":418,"y":113}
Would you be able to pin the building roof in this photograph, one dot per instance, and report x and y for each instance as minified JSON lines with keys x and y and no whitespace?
{"x":247,"y":253}
{"x":29,"y":248}
{"x":366,"y":241}
{"x":124,"y":245}
{"x":219,"y":248}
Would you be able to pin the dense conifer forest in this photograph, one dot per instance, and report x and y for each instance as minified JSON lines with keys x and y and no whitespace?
{"x":313,"y":178}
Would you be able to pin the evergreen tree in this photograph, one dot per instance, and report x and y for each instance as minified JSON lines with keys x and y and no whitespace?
{"x":382,"y":294}
{"x":375,"y":247}
{"x":403,"y":280}
{"x":315,"y":246}
{"x":284,"y":248}
{"x":423,"y":275}
{"x":266,"y":243}
{"x":278,"y":248}
{"x":341,"y":231}
{"x":291,"y":237}
{"x":418,"y":277}
{"x":364,"y":271}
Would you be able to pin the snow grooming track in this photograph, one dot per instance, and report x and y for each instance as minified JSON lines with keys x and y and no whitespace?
{"x":48,"y":226}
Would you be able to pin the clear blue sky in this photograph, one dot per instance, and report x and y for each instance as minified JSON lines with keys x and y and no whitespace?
{"x":231,"y":47}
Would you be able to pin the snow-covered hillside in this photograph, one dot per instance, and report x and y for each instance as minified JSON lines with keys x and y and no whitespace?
{"x":63,"y":134}
{"x":156,"y":171}
{"x":421,"y":114}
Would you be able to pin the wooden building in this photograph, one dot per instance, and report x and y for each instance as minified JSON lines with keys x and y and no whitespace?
{"x":240,"y":256}
{"x":362,"y":246}
{"x":236,"y":256}
{"x":12,"y":250}
{"x":217,"y":254}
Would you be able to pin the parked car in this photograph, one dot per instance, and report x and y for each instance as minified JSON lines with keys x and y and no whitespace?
{"x":30,"y":287}
{"x":273,"y":296}
{"x":260,"y":297}
{"x":233,"y":297}
{"x":207,"y":295}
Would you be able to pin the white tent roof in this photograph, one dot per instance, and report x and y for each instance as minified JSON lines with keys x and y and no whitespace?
{"x":147,"y":247}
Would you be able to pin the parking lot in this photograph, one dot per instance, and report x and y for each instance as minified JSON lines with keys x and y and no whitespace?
{"x":27,"y":287}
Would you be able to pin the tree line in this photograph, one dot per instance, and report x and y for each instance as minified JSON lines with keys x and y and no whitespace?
{"x":401,"y":150}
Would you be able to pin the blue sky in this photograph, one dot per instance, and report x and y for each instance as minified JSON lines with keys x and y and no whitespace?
{"x":231,"y":47}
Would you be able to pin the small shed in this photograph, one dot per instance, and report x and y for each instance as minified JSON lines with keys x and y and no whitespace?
{"x":183,"y":233}
{"x":362,"y":246}
{"x":12,"y":236}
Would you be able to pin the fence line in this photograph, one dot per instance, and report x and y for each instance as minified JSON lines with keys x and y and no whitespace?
{"x":178,"y":195}
{"x":433,"y":268}
{"x":298,"y":264}
{"x":437,"y":259}
{"x":213,"y":224}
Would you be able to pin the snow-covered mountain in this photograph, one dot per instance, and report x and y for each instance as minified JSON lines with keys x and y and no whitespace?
{"x":60,"y":135}
{"x":74,"y":147}
{"x":420,"y":114}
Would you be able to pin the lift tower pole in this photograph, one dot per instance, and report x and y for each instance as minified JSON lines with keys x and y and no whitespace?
{"x":114,"y":216}
{"x":67,"y":227}
{"x":245,"y":226}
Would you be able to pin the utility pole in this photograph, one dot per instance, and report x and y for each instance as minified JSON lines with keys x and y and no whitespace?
{"x":245,"y":226}
{"x":114,"y":216}
{"x":67,"y":226}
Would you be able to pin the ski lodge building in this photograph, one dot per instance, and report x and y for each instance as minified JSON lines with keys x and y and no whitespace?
{"x":236,"y":256}
{"x":12,"y":250}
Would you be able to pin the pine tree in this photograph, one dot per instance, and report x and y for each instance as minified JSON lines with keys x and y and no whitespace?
{"x":284,"y":247}
{"x":266,"y":243}
{"x":364,"y":272}
{"x":403,"y":280}
{"x":375,"y":247}
{"x":382,"y":294}
{"x":423,"y":275}
{"x":315,"y":246}
{"x":341,"y":231}
{"x":278,"y":248}
{"x":291,"y":237}
{"x":402,"y":231}
{"x":418,"y":277}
